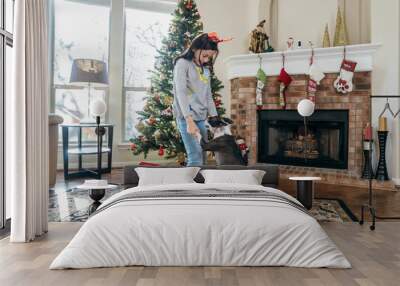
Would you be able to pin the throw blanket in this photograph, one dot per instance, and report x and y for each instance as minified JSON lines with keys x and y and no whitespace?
{"x":204,"y":194}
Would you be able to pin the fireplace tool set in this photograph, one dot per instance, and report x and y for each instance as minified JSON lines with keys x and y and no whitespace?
{"x":381,"y":171}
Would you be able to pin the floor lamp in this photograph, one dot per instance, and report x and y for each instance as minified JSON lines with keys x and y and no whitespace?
{"x":98,"y":108}
{"x":305,"y":108}
{"x":89,"y":71}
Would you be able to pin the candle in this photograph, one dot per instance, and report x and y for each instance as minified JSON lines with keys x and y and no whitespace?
{"x":382,"y":124}
{"x":368,"y":132}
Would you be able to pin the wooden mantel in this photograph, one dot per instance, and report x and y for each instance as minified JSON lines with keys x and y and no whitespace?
{"x":298,"y":61}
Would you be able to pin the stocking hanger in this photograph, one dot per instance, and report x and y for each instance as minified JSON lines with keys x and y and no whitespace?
{"x":283,"y":59}
{"x":312,"y":52}
{"x":387,"y":107}
{"x":259,"y":61}
{"x":344,"y":52}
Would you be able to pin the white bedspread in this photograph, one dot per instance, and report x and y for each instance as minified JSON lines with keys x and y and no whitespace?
{"x":211,"y":231}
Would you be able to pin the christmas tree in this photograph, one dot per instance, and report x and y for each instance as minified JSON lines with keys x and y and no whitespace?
{"x":156,"y":123}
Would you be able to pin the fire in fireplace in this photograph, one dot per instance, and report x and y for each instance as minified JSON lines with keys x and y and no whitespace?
{"x":283,"y":138}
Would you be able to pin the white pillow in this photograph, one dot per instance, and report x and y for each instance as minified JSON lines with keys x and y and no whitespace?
{"x":248,"y":177}
{"x":166,"y":176}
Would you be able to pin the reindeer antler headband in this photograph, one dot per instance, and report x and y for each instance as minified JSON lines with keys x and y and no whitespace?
{"x":213,"y":36}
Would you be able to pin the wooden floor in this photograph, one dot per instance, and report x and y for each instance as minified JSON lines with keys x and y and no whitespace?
{"x":375,"y":257}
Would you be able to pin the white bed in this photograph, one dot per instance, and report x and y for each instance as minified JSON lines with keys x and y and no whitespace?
{"x":202,"y":231}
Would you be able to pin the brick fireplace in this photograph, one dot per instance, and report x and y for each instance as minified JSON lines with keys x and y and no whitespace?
{"x":245,"y":115}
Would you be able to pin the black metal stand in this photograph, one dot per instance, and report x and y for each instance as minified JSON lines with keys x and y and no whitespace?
{"x":96,"y":195}
{"x":100,"y":131}
{"x":370,"y":205}
{"x":305,"y":193}
{"x":368,"y":172}
{"x":82,"y":150}
{"x":381,"y":171}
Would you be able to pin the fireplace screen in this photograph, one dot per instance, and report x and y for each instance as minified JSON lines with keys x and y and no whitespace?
{"x":285,"y":139}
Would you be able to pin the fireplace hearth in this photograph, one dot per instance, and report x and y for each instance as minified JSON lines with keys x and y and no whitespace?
{"x":283,"y":138}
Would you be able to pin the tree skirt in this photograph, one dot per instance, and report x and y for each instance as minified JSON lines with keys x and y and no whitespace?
{"x":72,"y":206}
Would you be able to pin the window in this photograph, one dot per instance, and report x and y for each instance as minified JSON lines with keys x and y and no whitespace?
{"x":6,"y":43}
{"x":81,"y":30}
{"x":9,"y":15}
{"x":145,"y":28}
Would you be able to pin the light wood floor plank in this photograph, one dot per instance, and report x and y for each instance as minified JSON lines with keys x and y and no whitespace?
{"x":375,"y":257}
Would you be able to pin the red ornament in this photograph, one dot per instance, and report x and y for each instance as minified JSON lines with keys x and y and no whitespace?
{"x":217,"y":103}
{"x":133,"y":147}
{"x":152,"y":121}
{"x":189,"y":5}
{"x":242,"y":146}
{"x":161,"y":151}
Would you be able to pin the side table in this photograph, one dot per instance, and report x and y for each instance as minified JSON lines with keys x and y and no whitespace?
{"x":305,"y":190}
{"x":83,"y":149}
{"x":96,"y":193}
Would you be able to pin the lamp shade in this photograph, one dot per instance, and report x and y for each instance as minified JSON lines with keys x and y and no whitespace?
{"x":89,"y":70}
{"x":305,"y":107}
{"x":98,"y":107}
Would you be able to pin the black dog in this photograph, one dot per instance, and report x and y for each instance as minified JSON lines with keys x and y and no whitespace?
{"x":224,"y":145}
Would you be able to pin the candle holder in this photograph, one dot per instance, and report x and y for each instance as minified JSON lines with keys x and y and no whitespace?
{"x":368,"y":172}
{"x":381,"y":171}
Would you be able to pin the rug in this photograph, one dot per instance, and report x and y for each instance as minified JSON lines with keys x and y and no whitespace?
{"x":72,"y":206}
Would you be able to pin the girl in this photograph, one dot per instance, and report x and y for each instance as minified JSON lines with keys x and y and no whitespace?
{"x":193,"y":101}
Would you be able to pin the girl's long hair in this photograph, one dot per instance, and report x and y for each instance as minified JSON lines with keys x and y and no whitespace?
{"x":201,"y":42}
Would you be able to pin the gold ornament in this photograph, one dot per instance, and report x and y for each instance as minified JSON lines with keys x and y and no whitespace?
{"x":168,"y":100}
{"x":140,"y":126}
{"x":157,"y":135}
{"x":181,"y":158}
{"x":341,"y":31}
{"x":326,"y":42}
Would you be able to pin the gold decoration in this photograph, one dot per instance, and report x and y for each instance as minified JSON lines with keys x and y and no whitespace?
{"x":326,"y":42}
{"x":168,"y":100}
{"x":341,"y":31}
{"x":140,"y":126}
{"x":157,"y":135}
{"x":181,"y":158}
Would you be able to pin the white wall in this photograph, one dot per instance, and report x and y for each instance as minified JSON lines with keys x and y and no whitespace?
{"x":229,"y":18}
{"x":305,"y":20}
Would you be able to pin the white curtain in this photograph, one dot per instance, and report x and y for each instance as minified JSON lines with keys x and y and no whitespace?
{"x":27,"y":122}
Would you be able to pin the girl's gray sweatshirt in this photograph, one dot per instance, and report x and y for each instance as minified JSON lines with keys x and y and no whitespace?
{"x":192,"y":91}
